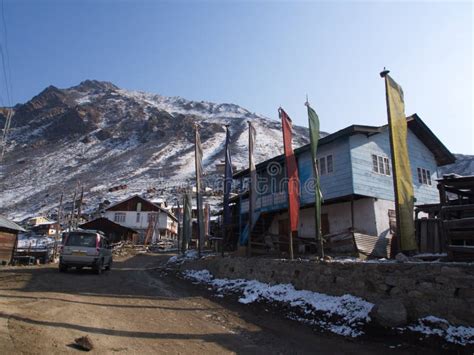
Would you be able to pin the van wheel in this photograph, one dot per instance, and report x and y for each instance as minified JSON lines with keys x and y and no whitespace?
{"x":62,"y":268}
{"x":99,"y":267}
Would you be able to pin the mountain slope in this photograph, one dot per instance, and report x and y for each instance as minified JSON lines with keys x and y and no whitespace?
{"x":464,"y":165}
{"x":101,"y":136}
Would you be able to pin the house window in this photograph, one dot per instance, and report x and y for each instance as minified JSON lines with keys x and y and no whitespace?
{"x":325,"y":165}
{"x":424,"y":176}
{"x":375,"y":164}
{"x":152,"y":217}
{"x":119,"y":217}
{"x":138,"y":218}
{"x":322,"y":165}
{"x":380,"y":165}
{"x":387,"y":166}
{"x":329,"y":164}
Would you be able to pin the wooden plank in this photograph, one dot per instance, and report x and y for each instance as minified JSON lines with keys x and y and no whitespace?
{"x":455,"y":208}
{"x":463,"y":223}
{"x":7,"y":244}
{"x":424,"y":242}
{"x":468,"y":235}
{"x":461,"y":248}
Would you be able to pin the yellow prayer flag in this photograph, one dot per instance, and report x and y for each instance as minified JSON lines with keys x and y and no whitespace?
{"x":404,"y":197}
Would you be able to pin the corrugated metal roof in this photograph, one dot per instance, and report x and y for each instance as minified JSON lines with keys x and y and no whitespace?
{"x":370,"y":245}
{"x":6,"y":223}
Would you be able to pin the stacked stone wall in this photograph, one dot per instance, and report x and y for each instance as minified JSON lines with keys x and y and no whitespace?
{"x":444,"y":290}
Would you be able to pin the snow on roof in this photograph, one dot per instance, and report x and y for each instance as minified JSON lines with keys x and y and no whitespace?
{"x":7,"y":224}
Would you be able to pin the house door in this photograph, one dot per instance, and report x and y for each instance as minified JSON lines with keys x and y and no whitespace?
{"x":392,"y":221}
{"x":283,"y":227}
{"x":324,"y":224}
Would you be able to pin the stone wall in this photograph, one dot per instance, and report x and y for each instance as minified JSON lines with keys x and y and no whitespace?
{"x":439,"y":289}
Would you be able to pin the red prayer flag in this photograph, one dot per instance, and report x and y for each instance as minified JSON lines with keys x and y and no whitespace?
{"x":291,"y":172}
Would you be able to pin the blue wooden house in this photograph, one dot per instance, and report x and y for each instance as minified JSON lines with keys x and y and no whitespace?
{"x":356,"y":182}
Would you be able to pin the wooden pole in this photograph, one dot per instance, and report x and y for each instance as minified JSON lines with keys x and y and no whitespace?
{"x":384,"y":74}
{"x":198,"y":191}
{"x":179,"y":223}
{"x":59,"y":219}
{"x":290,"y":234}
{"x":352,"y":213}
{"x":79,"y":207}
{"x":183,"y":241}
{"x":251,"y":207}
{"x":58,"y":225}
{"x":71,"y":217}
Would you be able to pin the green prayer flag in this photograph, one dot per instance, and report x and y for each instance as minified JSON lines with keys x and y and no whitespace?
{"x":187,"y":220}
{"x":314,"y":139}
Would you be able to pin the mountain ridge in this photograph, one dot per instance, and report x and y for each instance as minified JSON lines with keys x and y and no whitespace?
{"x":100,"y":135}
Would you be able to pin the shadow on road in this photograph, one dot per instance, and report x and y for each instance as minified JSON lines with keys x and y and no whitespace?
{"x":126,"y":280}
{"x":136,"y":282}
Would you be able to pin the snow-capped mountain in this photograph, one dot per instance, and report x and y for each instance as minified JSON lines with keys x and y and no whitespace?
{"x":101,"y":136}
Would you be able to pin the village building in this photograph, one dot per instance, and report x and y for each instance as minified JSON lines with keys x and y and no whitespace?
{"x":113,"y":231}
{"x":8,"y":237}
{"x":140,"y":214}
{"x":356,"y":183}
{"x":38,"y":221}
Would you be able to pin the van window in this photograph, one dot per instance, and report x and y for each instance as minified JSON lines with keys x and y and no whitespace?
{"x":81,"y":240}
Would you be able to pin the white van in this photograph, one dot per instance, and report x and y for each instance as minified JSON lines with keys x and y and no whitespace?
{"x":85,"y":248}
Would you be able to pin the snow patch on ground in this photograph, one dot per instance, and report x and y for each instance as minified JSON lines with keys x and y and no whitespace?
{"x":188,"y":255}
{"x":344,"y":315}
{"x":440,"y":327}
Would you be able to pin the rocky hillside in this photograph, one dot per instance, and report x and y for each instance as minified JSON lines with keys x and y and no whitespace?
{"x":464,"y":165}
{"x":102,"y":136}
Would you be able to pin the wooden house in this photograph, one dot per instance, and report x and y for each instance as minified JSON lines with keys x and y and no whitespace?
{"x":113,"y":231}
{"x":38,"y":221}
{"x":8,"y":236}
{"x":356,"y":182}
{"x":136,"y":213}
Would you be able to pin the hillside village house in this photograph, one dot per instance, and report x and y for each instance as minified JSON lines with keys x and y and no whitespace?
{"x":8,"y":236}
{"x":356,"y":182}
{"x":38,"y":221}
{"x":41,"y":225}
{"x":136,"y":213}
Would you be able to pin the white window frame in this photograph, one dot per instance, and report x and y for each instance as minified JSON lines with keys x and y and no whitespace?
{"x":119,"y":217}
{"x":381,"y":165}
{"x":424,"y":176}
{"x":323,"y":166}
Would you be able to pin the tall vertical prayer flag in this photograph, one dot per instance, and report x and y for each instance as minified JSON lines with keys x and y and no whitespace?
{"x":291,"y":172}
{"x":313,"y":121}
{"x":187,"y":220}
{"x":253,"y":183}
{"x":198,"y":162}
{"x":292,"y":176}
{"x":402,"y":176}
{"x":227,"y":179}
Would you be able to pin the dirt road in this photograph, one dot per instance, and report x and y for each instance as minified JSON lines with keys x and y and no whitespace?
{"x":135,"y":309}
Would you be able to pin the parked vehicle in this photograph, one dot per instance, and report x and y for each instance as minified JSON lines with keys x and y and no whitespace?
{"x":85,"y":248}
{"x":31,"y":246}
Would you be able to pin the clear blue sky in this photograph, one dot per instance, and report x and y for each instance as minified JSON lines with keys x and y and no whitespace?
{"x":259,"y":55}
